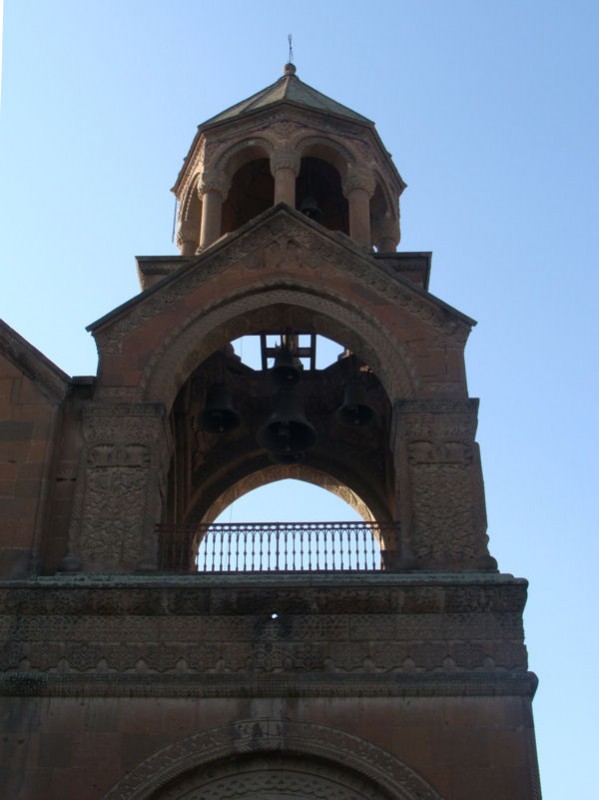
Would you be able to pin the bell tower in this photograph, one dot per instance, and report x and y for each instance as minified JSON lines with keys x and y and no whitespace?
{"x":164,"y":656}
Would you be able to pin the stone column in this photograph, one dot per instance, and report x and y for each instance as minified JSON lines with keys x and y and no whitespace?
{"x":386,"y":234}
{"x":121,"y":485}
{"x":284,"y":167}
{"x":213,"y":189}
{"x":187,"y":238}
{"x":358,"y":187}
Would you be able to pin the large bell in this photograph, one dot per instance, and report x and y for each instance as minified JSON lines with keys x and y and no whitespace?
{"x":285,"y":371}
{"x":218,"y":415}
{"x":287,"y":432}
{"x":354,"y":410}
{"x":310,"y":208}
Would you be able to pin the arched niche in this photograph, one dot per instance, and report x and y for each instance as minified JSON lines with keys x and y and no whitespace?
{"x":358,"y":765}
{"x":272,"y":776}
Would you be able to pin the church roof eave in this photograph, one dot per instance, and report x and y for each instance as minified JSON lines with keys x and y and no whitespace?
{"x":288,"y":88}
{"x":33,"y":363}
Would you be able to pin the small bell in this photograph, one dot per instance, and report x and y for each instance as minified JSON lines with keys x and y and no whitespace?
{"x":287,"y":431}
{"x":285,"y":371}
{"x":354,"y":410}
{"x":310,"y":208}
{"x":218,"y":415}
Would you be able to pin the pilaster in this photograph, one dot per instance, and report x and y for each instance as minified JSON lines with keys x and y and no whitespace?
{"x":121,"y":486}
{"x":442,"y":502}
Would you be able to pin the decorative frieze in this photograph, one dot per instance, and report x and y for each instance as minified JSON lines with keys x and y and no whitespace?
{"x":403,"y":630}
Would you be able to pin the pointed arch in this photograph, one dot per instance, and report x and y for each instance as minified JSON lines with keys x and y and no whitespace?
{"x":359,"y":499}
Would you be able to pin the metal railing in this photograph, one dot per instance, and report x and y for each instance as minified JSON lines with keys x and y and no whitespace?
{"x":277,"y":546}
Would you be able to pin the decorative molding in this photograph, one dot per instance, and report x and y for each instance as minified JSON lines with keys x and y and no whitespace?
{"x":318,"y":631}
{"x":345,"y":752}
{"x":45,"y":684}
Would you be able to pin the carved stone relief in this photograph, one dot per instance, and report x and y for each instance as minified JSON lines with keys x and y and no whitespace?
{"x":442,"y":483}
{"x":187,"y":632}
{"x":121,"y":482}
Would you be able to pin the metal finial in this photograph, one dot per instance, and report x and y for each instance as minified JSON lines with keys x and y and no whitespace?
{"x":290,"y":40}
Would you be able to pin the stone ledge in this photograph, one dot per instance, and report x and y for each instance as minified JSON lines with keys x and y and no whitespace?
{"x":240,"y":595}
{"x":518,"y":684}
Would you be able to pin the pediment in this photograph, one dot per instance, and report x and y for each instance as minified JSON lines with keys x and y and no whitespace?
{"x":280,"y":247}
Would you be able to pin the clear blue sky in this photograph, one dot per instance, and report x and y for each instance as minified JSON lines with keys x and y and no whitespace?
{"x":491,"y":111}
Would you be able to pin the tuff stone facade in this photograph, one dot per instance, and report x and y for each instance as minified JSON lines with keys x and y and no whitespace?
{"x":122,"y":681}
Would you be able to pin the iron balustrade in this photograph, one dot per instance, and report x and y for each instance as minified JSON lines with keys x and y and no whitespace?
{"x":278,"y":546}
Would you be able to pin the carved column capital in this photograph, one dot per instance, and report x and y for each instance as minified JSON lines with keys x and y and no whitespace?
{"x":359,"y":178}
{"x":285,"y":158}
{"x":213,"y":180}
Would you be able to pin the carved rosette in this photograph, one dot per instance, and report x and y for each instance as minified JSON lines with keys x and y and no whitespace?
{"x":444,"y":508}
{"x":120,"y":488}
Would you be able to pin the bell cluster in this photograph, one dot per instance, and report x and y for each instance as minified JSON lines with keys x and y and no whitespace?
{"x":286,"y":434}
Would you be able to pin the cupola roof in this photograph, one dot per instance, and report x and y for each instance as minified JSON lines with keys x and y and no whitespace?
{"x":289,"y":89}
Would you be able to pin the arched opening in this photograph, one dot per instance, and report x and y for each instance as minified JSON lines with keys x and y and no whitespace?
{"x":318,"y":194}
{"x":217,"y":462}
{"x":292,"y":499}
{"x":291,"y":525}
{"x":251,"y":193}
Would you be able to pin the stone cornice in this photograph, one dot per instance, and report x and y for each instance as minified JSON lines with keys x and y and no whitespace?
{"x":296,"y":592}
{"x":508,"y":684}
